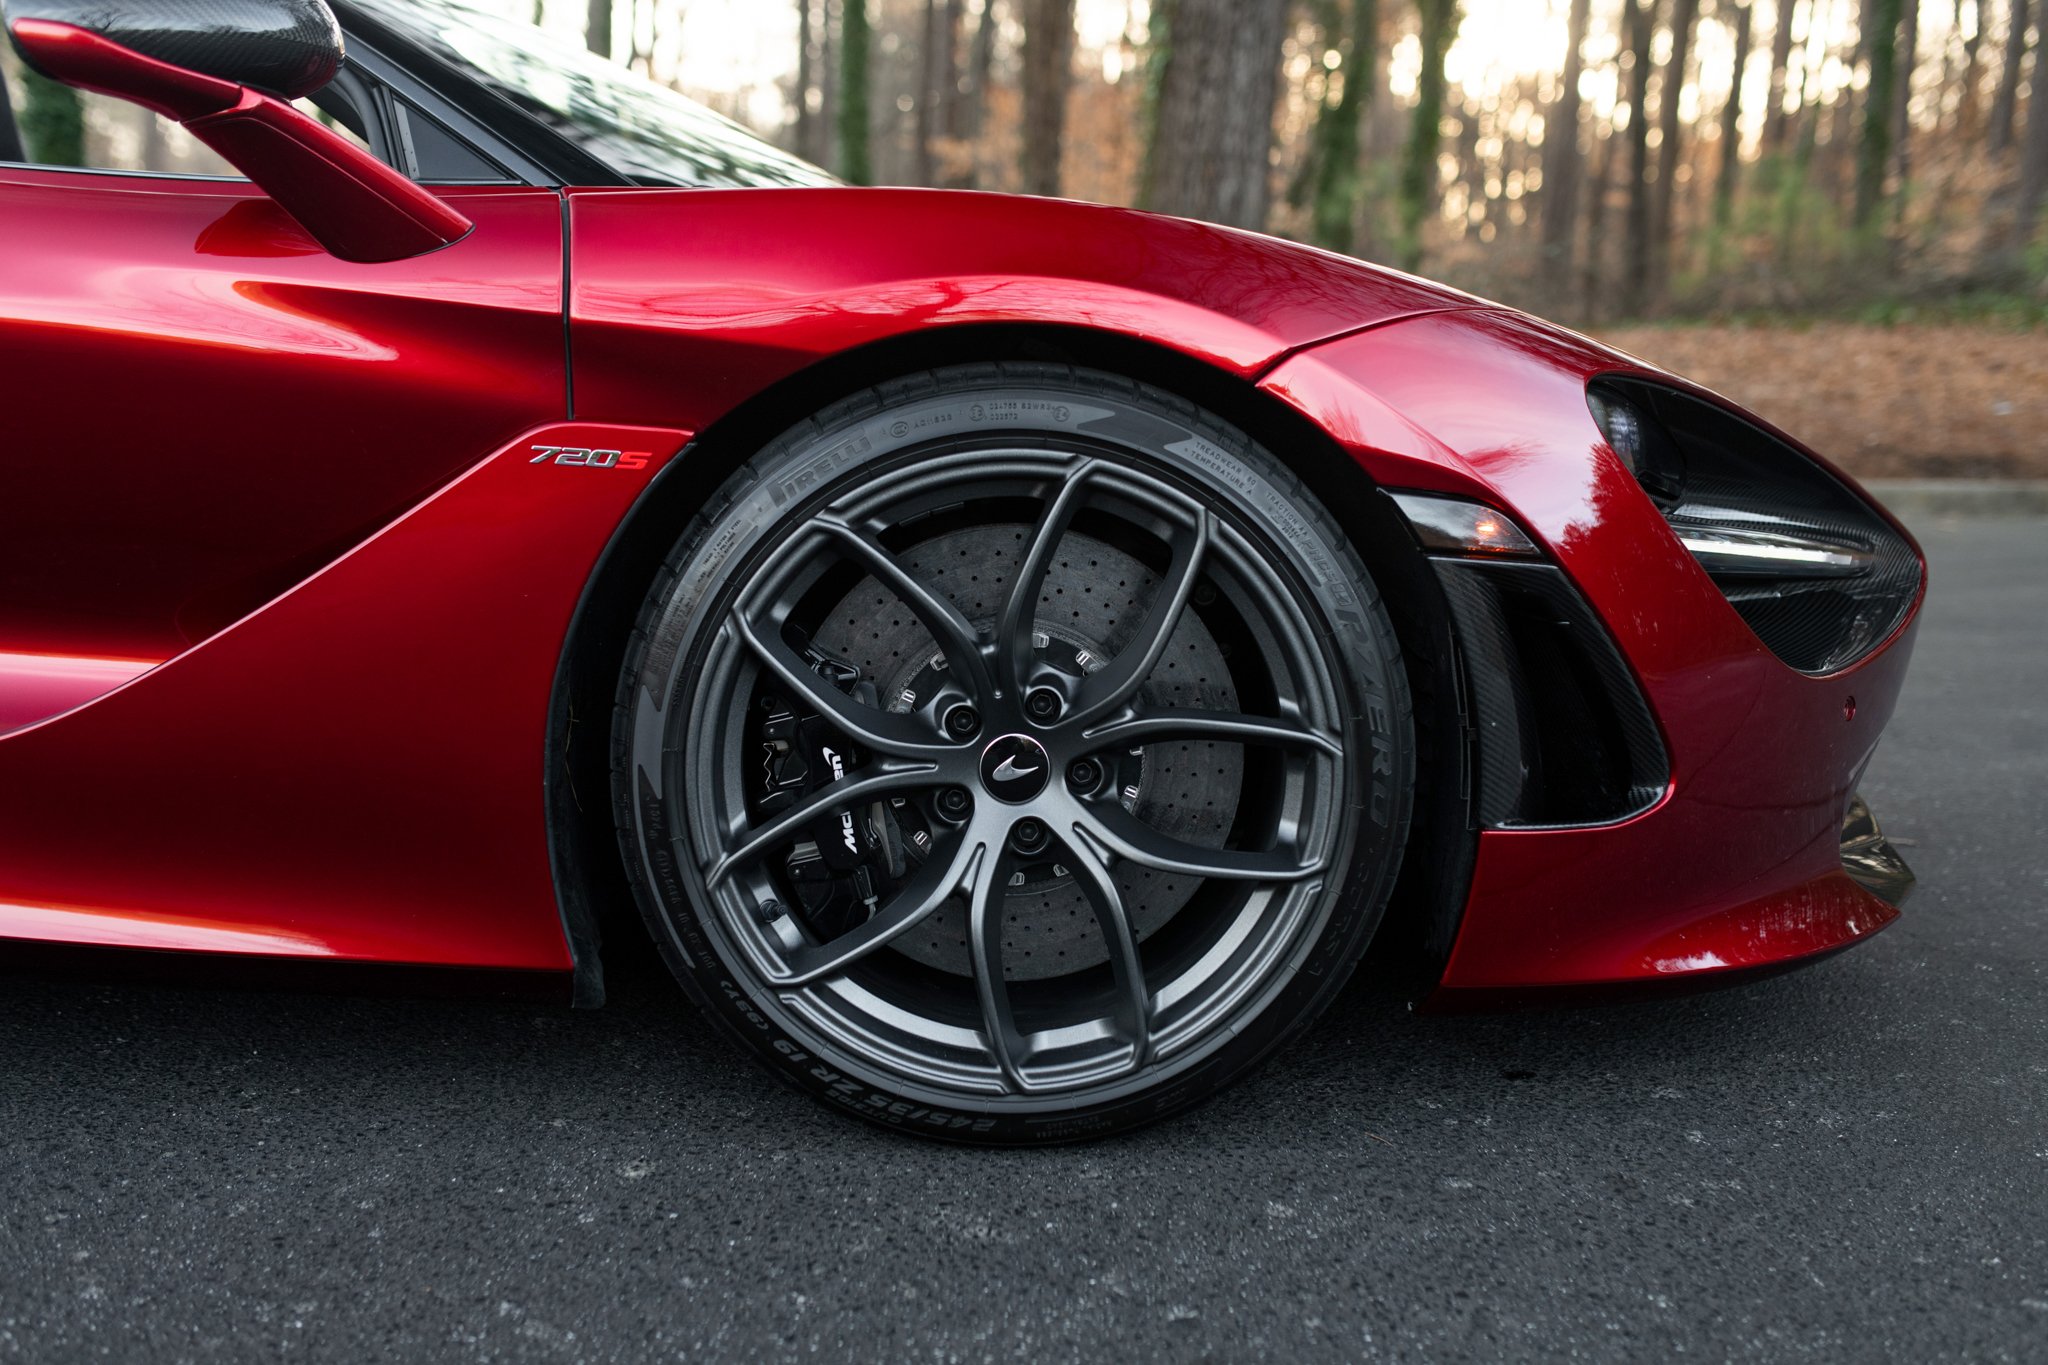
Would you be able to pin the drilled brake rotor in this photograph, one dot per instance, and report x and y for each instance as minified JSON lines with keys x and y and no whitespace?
{"x":1095,"y":596}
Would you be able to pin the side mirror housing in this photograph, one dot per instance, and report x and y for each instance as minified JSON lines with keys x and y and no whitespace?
{"x":226,"y":73}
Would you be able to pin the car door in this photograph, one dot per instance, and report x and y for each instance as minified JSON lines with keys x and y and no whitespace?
{"x":203,"y":408}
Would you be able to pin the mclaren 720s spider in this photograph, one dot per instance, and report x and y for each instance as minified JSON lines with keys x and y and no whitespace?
{"x":1015,"y":656}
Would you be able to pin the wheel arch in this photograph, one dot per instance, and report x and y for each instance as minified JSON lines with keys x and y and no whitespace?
{"x":590,"y":876}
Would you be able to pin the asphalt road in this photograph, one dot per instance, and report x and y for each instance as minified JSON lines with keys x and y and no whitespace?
{"x":1846,"y":1163}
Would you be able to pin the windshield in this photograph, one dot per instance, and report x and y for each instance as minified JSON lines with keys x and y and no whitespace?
{"x":646,"y":132}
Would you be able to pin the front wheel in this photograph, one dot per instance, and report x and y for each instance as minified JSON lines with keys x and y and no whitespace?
{"x":1013,"y":754}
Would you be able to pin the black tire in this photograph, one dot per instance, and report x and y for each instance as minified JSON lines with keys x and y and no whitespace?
{"x":1194,"y":901}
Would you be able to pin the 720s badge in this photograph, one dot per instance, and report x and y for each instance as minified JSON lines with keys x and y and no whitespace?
{"x":592,"y":459}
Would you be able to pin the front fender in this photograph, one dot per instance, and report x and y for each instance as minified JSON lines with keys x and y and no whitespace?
{"x":685,"y":302}
{"x":1739,"y":867}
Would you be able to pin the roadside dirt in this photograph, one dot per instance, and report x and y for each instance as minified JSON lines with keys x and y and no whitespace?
{"x":1910,"y":401}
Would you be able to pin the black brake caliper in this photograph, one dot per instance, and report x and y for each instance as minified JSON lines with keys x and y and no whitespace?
{"x":846,"y":860}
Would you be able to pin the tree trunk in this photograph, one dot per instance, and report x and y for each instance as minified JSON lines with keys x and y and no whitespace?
{"x":806,"y":128}
{"x":1604,"y":155}
{"x":1158,"y":54}
{"x":856,"y":165}
{"x":10,"y":135}
{"x":1684,"y":17}
{"x":1781,"y":61}
{"x":1339,"y":177}
{"x":950,"y":102}
{"x":1216,"y":96}
{"x":1902,"y":97}
{"x":1048,"y":71}
{"x":827,"y":132}
{"x":1561,"y":144}
{"x":597,"y":28}
{"x":1731,"y":125}
{"x":1874,"y":151}
{"x":2034,"y":154}
{"x":1999,"y":135}
{"x":1966,"y":84}
{"x":1418,"y":189}
{"x":927,"y":94}
{"x":1640,"y":31}
{"x":52,"y":121}
{"x":981,"y":61}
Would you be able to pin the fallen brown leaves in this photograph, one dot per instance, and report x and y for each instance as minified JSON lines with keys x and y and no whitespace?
{"x":1907,"y":401}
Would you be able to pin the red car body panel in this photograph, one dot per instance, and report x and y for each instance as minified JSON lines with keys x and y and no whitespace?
{"x":221,"y":407}
{"x":352,"y":771}
{"x":278,"y":629}
{"x":682,"y":304}
{"x":1739,"y":866}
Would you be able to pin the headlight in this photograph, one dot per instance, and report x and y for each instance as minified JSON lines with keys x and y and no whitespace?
{"x":1815,"y":570}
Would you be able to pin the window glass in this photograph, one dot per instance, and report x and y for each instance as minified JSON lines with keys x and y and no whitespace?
{"x":646,"y":132}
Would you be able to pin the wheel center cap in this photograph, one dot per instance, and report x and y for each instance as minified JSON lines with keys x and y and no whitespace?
{"x":1014,"y":768}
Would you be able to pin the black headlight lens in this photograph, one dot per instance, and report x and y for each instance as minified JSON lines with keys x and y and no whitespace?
{"x":1815,"y":570}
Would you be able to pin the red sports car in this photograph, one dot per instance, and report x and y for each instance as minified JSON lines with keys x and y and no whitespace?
{"x":1017,"y":655}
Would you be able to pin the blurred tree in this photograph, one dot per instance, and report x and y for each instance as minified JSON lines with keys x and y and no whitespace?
{"x":1873,"y":154}
{"x":10,"y":134}
{"x":1339,"y":178}
{"x":1217,"y":91}
{"x":981,"y":65}
{"x":1561,"y":155}
{"x":1685,"y":16}
{"x":1640,"y":34}
{"x":52,"y":121}
{"x":948,"y":112}
{"x":806,"y":84}
{"x":926,"y":172}
{"x":1999,"y":135}
{"x":1726,"y":182}
{"x":2034,"y":154}
{"x":1781,"y":60}
{"x":856,"y":151}
{"x":1158,"y":48}
{"x":1048,"y":71}
{"x":597,"y":28}
{"x":1965,"y":84}
{"x":1418,"y":189}
{"x":1902,"y":97}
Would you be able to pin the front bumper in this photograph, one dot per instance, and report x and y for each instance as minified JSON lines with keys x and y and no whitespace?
{"x":1740,"y":865}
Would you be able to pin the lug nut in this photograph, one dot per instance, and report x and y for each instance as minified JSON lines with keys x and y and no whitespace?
{"x":1028,"y":837}
{"x":954,"y":803}
{"x":1083,"y":775}
{"x":1042,"y":704}
{"x":962,"y":722}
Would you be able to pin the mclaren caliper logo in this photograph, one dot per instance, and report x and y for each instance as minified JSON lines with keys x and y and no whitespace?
{"x":591,"y":459}
{"x":845,"y":817}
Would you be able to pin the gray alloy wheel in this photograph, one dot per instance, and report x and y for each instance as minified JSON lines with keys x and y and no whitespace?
{"x":1013,"y":753}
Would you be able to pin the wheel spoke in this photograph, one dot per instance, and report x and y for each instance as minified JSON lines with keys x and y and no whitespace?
{"x":1128,"y":837}
{"x":1151,"y":726}
{"x":923,"y":892}
{"x":1134,"y":1001}
{"x":1020,"y":610}
{"x":841,"y":791}
{"x":955,"y":636}
{"x":883,"y":731}
{"x":1006,"y":1042}
{"x":1112,"y":686}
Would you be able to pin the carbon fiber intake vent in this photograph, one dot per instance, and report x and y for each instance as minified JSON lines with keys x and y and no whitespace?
{"x":1564,"y":736}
